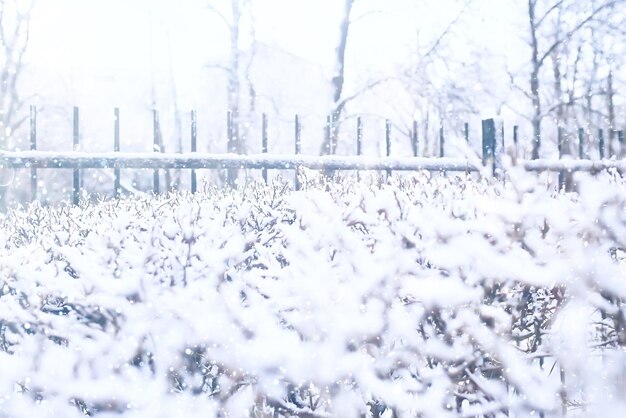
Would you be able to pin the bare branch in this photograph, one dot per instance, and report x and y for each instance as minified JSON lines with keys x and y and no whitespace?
{"x":365,"y":15}
{"x":361,"y":91}
{"x":575,"y":29}
{"x":554,"y":7}
{"x":220,"y":67}
{"x":517,"y":87}
{"x":219,"y":14}
{"x":445,"y":32}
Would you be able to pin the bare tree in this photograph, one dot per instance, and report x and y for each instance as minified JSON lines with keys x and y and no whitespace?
{"x":611,"y":119}
{"x":238,"y":75}
{"x":174,"y":179}
{"x":340,"y":97}
{"x":329,"y":145}
{"x":552,"y":27}
{"x":14,"y":37}
{"x":603,"y":87}
{"x":440,"y":97}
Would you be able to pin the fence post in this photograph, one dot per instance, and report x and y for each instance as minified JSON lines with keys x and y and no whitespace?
{"x":388,"y":142}
{"x":194,"y":148}
{"x":359,"y":136}
{"x":75,"y":142}
{"x":516,"y":141}
{"x":560,"y":138}
{"x":116,"y":148}
{"x":415,"y":140}
{"x":230,"y":134}
{"x":298,"y":146}
{"x":621,"y":139}
{"x":442,"y":142}
{"x":612,"y":140}
{"x":231,"y":174}
{"x":328,"y":133}
{"x":33,"y":147}
{"x":359,"y":142}
{"x":466,"y":132}
{"x":264,"y":144}
{"x":489,"y":142}
{"x":581,"y":143}
{"x":498,"y":149}
{"x":156,"y":147}
{"x":601,"y":143}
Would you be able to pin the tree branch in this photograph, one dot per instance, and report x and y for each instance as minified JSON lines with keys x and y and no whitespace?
{"x":219,"y":14}
{"x":548,"y":12}
{"x":575,"y":29}
{"x":371,"y":85}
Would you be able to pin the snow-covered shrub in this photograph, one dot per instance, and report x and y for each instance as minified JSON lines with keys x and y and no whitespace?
{"x":428,"y":296}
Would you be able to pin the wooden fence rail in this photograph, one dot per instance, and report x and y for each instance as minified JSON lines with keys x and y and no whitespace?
{"x":492,"y":151}
{"x":157,"y":161}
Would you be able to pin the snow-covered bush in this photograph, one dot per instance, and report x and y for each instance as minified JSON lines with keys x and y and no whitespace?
{"x":427,"y":296}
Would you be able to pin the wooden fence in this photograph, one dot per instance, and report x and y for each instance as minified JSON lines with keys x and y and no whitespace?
{"x":492,"y":151}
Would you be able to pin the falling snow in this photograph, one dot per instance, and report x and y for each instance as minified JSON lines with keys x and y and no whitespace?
{"x":424,"y":296}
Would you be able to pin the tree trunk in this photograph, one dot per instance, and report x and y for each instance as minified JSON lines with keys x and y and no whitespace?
{"x":561,"y":108}
{"x":534,"y":81}
{"x":178,"y":125}
{"x":426,"y":140}
{"x":564,"y":137}
{"x":234,"y":144}
{"x":329,"y":145}
{"x":610,"y":94}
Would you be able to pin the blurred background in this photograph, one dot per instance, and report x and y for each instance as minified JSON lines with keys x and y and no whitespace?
{"x":539,"y":64}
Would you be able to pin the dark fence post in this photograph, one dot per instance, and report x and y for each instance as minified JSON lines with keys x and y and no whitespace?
{"x":498,"y":149}
{"x":415,"y":140}
{"x":116,"y":148}
{"x":621,"y":139}
{"x":612,"y":143}
{"x":516,"y":141}
{"x":466,"y":132}
{"x":33,"y":147}
{"x":298,"y":149}
{"x":560,"y":139}
{"x":75,"y":141}
{"x":194,"y":148}
{"x":328,"y":133}
{"x":298,"y":135}
{"x":264,"y":143}
{"x":489,"y":142}
{"x":388,"y":142}
{"x":359,"y":136}
{"x":156,"y":147}
{"x":231,"y":174}
{"x":601,"y":143}
{"x":359,"y":142}
{"x":442,"y":141}
{"x":230,"y":134}
{"x":581,"y":143}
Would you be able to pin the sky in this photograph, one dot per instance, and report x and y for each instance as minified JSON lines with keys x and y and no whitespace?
{"x":78,"y":35}
{"x":132,"y":34}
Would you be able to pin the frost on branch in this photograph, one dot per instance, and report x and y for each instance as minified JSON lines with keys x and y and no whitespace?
{"x":422,"y":297}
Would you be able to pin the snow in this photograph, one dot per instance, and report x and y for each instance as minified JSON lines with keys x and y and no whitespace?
{"x":42,"y":159}
{"x":425,"y":296}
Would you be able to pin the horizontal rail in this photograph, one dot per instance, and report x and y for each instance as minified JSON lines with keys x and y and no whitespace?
{"x":45,"y":159}
{"x":573,"y":165}
{"x":148,"y":160}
